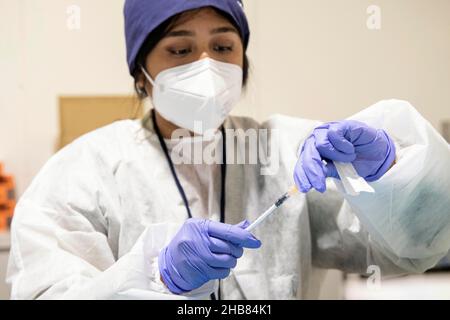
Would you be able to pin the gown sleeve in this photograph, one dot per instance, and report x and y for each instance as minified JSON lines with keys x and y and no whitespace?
{"x":60,"y":247}
{"x":404,"y":227}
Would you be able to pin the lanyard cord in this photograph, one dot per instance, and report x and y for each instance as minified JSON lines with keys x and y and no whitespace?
{"x":223,"y":168}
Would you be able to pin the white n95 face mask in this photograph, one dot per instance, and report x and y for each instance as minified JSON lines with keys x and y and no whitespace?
{"x":197,"y":96}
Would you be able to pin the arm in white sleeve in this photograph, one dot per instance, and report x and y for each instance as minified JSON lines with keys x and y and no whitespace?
{"x":60,"y":247}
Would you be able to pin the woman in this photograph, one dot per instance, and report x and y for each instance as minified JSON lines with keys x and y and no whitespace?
{"x":113,"y":216}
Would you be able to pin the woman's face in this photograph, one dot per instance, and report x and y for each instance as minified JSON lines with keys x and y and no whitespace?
{"x":203,"y":34}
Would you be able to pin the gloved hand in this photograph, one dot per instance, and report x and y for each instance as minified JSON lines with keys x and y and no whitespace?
{"x":371,"y":151}
{"x":201,"y":251}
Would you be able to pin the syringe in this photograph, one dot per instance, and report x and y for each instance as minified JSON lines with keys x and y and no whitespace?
{"x":275,"y":206}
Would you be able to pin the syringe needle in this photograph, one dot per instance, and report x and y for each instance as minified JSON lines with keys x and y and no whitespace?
{"x":272,"y":208}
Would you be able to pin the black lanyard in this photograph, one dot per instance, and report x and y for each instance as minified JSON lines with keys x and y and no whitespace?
{"x":223,"y":168}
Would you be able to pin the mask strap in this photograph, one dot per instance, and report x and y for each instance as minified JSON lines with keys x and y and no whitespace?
{"x":147,"y":76}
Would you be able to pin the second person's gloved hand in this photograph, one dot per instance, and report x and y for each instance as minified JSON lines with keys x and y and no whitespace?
{"x":201,"y":251}
{"x":371,"y":151}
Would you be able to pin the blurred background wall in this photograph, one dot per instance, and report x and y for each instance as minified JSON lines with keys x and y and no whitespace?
{"x":310,"y":58}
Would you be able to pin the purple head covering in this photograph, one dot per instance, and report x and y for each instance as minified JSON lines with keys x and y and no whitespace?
{"x":144,"y":16}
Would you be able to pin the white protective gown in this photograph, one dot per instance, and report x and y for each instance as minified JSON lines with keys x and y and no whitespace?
{"x":91,"y":224}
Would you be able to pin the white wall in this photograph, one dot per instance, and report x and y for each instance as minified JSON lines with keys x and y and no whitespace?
{"x":40,"y":59}
{"x":311,"y":58}
{"x":317,"y":58}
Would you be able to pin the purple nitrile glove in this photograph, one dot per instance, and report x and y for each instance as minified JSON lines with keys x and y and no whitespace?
{"x":371,"y":151}
{"x":201,"y":251}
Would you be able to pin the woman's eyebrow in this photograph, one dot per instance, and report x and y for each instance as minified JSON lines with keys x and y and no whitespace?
{"x":187,"y":33}
{"x":224,"y":30}
{"x":180,"y":33}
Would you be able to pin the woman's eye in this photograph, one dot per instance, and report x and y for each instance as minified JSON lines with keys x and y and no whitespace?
{"x":223,"y":49}
{"x":180,"y":52}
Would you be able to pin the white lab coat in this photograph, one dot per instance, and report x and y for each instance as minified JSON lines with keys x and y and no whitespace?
{"x":92,"y":222}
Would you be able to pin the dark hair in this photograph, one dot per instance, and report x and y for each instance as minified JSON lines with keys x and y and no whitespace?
{"x":160,"y":32}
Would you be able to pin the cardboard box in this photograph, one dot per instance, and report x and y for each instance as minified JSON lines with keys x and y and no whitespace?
{"x":80,"y":115}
